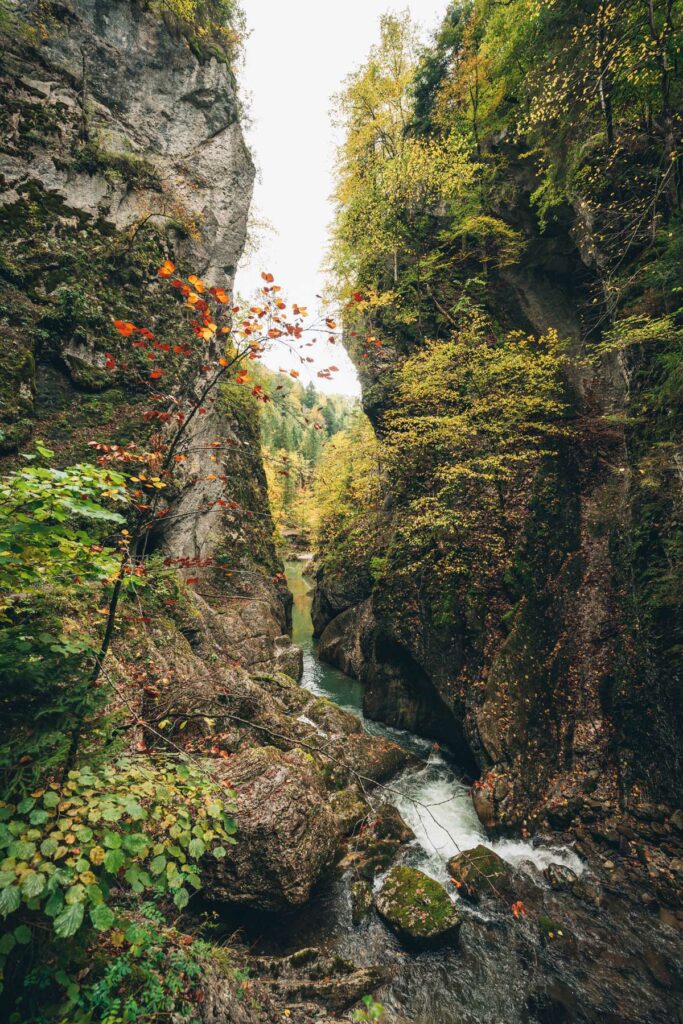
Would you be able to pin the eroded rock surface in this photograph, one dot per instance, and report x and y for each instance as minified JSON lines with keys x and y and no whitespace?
{"x":287,"y":834}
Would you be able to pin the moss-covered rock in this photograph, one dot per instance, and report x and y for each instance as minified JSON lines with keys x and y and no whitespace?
{"x":349,"y":809}
{"x":417,"y":908}
{"x":361,"y":900}
{"x":480,"y":872}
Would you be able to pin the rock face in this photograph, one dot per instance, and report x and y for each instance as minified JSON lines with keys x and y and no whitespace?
{"x":480,"y":872}
{"x":287,"y":835}
{"x":131,"y":88}
{"x":417,"y":908}
{"x":122,"y":147}
{"x":310,"y":975}
{"x":528,"y":679}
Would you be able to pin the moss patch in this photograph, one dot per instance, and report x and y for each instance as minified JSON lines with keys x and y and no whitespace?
{"x":416,"y":907}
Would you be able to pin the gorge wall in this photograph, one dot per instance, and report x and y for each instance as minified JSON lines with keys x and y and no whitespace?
{"x":530,"y":617}
{"x":122,"y":146}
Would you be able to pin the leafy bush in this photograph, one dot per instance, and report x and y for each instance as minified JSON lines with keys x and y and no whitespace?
{"x":141,"y":973}
{"x":69,"y":849}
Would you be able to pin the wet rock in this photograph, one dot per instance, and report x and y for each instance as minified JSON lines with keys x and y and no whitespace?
{"x":588,"y":889}
{"x":481,"y":872}
{"x":607,"y":836}
{"x":390,"y":825}
{"x":349,"y":809}
{"x":310,"y":974}
{"x":333,"y":719}
{"x":361,"y":900}
{"x":658,"y":968}
{"x":378,"y":842}
{"x":341,"y":642}
{"x":484,"y":805}
{"x":552,"y":931}
{"x":286,"y":832}
{"x":560,"y":876}
{"x":417,"y":908}
{"x":287,"y":658}
{"x":373,"y":758}
{"x":676,"y":821}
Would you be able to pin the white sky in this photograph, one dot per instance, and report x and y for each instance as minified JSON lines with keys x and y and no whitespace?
{"x":297,"y":56}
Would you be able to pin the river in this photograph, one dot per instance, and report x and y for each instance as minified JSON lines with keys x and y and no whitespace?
{"x":487,"y":980}
{"x":433,"y":799}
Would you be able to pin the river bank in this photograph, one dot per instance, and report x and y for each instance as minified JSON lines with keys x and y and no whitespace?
{"x":579,"y":951}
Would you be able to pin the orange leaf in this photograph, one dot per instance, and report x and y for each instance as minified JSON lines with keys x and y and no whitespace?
{"x":124,"y":327}
{"x":268,"y":278}
{"x":196,"y":282}
{"x":167,"y":269}
{"x":155,"y":374}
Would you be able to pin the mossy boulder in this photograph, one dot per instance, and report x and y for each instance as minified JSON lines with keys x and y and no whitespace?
{"x":480,"y":872}
{"x":417,"y":908}
{"x":361,"y":900}
{"x":349,"y":809}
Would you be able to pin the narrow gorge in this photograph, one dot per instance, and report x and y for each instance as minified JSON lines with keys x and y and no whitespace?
{"x":318,"y":708}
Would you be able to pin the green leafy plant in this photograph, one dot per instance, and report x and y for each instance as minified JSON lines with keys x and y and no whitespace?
{"x":43,"y":517}
{"x":67,"y":849}
{"x":141,"y":972}
{"x":372,"y":1011}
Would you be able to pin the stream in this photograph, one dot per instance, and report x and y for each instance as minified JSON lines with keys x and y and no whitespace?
{"x":487,"y":979}
{"x":433,"y":799}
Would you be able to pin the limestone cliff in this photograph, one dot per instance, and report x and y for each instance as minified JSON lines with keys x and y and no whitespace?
{"x":557,"y":685}
{"x":122,"y":146}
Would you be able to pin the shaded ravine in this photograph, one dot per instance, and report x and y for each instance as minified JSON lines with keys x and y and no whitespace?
{"x":433,"y":799}
{"x":584,"y":954}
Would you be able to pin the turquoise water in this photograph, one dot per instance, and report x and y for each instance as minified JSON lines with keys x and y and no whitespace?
{"x":318,"y":677}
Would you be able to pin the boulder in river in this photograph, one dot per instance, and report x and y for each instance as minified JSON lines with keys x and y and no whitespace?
{"x":480,"y":872}
{"x":560,"y":876}
{"x":286,"y":833}
{"x":417,"y":908}
{"x":323,"y":978}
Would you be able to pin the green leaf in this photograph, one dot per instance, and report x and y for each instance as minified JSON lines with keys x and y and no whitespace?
{"x":32,"y":884}
{"x":22,"y":850}
{"x":181,"y":898}
{"x":54,"y":904}
{"x":6,"y":878}
{"x":7,"y":943}
{"x":219,"y":852}
{"x":114,"y":860}
{"x":112,"y":840}
{"x":196,"y":848}
{"x":69,"y":921}
{"x":38,"y":817}
{"x":157,"y":865}
{"x":25,"y":805}
{"x":48,"y":846}
{"x":136,"y":842}
{"x":102,"y":917}
{"x":23,"y":934}
{"x":51,"y":799}
{"x":10,"y":898}
{"x":134,"y":809}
